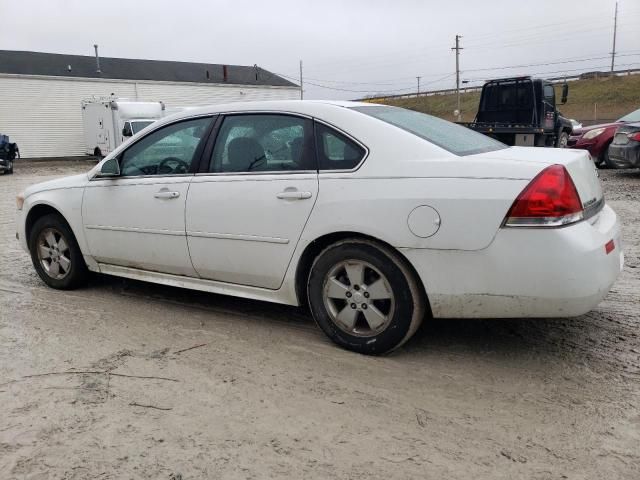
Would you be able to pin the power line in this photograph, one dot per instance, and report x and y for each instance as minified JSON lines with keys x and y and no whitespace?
{"x":379,"y":60}
{"x":343,"y":85}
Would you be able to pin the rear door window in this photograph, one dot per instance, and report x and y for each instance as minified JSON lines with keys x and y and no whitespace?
{"x":250,"y":143}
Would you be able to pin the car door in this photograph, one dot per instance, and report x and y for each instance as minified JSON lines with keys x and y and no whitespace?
{"x":247,"y":209}
{"x":137,"y":219}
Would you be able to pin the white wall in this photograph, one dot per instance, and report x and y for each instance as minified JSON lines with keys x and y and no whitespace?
{"x":43,"y":114}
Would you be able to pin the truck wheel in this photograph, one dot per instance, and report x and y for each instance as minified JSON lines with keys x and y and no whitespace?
{"x":97,"y":152}
{"x":563,"y":140}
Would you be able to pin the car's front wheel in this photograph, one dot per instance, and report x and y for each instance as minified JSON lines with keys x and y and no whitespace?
{"x":55,"y":253}
{"x":364,"y":297}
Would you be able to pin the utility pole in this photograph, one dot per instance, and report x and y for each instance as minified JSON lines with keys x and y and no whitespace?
{"x":457,"y":48}
{"x":301,"y":84}
{"x":418,"y":94}
{"x":615,"y":31}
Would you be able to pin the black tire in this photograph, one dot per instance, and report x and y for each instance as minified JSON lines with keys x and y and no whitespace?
{"x":97,"y":152}
{"x":408,"y":301}
{"x":563,"y":140}
{"x":77,"y":273}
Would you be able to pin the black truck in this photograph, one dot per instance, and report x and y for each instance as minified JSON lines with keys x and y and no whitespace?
{"x":522,"y":111}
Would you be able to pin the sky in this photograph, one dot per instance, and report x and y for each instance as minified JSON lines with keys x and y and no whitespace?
{"x":350,"y":49}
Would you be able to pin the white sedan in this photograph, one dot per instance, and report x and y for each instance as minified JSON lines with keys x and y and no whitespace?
{"x":375,"y":217}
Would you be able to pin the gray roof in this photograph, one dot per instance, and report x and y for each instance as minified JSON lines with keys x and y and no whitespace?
{"x":57,"y":65}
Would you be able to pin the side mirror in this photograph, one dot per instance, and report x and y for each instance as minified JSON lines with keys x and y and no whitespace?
{"x":565,"y":93}
{"x":110,"y":168}
{"x":126,"y":131}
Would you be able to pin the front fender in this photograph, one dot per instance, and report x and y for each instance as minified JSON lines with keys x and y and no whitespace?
{"x":66,"y":201}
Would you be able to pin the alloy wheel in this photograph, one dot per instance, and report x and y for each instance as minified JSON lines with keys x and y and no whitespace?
{"x":53,"y":253}
{"x":358,"y":298}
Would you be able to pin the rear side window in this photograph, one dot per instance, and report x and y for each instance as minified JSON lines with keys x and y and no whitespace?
{"x":250,"y":143}
{"x":449,"y":136}
{"x":336,"y":151}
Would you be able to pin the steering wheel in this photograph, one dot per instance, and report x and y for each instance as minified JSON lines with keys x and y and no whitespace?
{"x":180,"y":167}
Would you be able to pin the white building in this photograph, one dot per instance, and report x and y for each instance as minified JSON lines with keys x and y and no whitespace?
{"x":41,"y":93}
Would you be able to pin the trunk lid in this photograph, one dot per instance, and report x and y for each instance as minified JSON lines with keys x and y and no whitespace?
{"x":578,"y":163}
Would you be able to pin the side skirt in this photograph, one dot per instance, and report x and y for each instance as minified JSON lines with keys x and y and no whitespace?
{"x":254,"y":293}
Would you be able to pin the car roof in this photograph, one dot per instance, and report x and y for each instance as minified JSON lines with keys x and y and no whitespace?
{"x":305,"y":107}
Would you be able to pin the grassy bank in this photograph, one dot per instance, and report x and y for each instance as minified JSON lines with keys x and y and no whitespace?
{"x":590,"y":101}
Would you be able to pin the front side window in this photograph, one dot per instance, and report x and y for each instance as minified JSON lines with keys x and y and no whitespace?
{"x":449,"y":136}
{"x":550,"y":94}
{"x":335,"y":151}
{"x":167,"y":151}
{"x":263,"y":143}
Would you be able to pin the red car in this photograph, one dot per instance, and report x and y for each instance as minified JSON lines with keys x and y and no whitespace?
{"x":597,"y":138}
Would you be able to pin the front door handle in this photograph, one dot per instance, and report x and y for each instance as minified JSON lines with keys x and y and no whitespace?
{"x":294,"y":195}
{"x":166,"y":194}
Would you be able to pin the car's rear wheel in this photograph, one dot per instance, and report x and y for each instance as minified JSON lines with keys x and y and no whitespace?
{"x":364,"y":297}
{"x":55,"y":253}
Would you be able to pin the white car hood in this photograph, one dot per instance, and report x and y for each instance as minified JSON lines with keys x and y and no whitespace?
{"x":74,"y":181}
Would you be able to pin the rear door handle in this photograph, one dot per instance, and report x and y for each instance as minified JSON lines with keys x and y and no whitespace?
{"x":293,"y":195}
{"x":166,"y":194}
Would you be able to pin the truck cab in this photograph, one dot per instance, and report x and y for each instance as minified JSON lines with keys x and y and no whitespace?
{"x":522,"y":111}
{"x":108,"y":122}
{"x":135,"y":125}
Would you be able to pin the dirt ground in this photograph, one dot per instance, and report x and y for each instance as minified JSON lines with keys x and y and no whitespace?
{"x":265,"y":395}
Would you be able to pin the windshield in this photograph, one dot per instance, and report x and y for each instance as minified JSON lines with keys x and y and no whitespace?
{"x":136,"y":126}
{"x":449,"y":136}
{"x":631,"y":117}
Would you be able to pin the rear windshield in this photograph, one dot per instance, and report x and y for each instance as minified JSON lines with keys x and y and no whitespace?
{"x":631,"y":117}
{"x":449,"y":136}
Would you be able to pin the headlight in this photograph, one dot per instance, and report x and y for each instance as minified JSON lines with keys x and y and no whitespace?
{"x":593,"y":133}
{"x":20,"y":201}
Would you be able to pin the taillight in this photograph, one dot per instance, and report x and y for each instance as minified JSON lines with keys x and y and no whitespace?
{"x":550,"y":200}
{"x":634,"y":136}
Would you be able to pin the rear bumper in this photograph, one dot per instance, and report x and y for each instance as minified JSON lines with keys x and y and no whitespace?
{"x":625,"y":156}
{"x":563,"y":272}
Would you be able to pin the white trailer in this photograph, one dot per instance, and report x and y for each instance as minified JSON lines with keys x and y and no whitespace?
{"x":109,"y":122}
